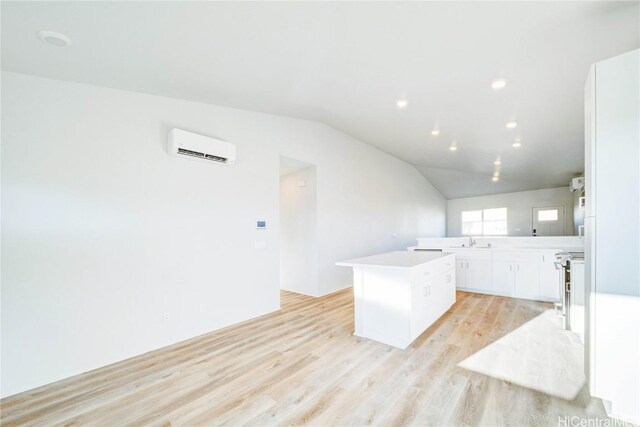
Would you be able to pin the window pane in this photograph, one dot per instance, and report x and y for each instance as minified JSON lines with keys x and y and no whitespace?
{"x":548,"y":215}
{"x":472,"y":228}
{"x":468,"y":216}
{"x":495,"y":228}
{"x":495,"y":214}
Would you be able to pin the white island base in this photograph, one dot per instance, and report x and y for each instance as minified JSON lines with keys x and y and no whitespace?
{"x":398,"y":295}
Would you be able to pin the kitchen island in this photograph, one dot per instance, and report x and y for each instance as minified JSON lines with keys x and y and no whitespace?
{"x":398,"y":295}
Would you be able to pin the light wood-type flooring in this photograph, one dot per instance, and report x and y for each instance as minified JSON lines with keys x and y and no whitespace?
{"x":303,"y":366}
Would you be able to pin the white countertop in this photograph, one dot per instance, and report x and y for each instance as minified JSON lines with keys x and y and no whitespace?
{"x":397,"y":259}
{"x":496,"y":248}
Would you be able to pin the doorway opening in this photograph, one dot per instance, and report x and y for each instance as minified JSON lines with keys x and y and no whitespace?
{"x":548,"y":221}
{"x":298,"y":227}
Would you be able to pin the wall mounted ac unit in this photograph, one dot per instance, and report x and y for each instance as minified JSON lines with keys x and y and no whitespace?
{"x":189,"y":145}
{"x":576,"y":184}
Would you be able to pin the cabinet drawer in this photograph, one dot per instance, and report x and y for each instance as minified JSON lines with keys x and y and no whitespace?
{"x":433,"y":268}
{"x":445,"y":263}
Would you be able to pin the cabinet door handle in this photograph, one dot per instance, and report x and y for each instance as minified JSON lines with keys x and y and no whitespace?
{"x":427,"y":291}
{"x":518,"y":267}
{"x":467,"y":264}
{"x":510,"y":267}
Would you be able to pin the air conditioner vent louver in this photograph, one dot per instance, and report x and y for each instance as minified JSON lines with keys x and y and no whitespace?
{"x":200,"y":155}
{"x":216,"y":158}
{"x":194,"y":146}
{"x":190,"y":153}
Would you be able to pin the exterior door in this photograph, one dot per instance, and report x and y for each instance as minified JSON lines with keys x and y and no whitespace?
{"x":548,"y":221}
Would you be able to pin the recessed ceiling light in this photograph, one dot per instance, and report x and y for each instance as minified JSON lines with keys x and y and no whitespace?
{"x":512,"y":124}
{"x":453,"y":148}
{"x":498,"y":84}
{"x":517,"y":144}
{"x":402,"y":103}
{"x":435,"y":132}
{"x":495,"y":178}
{"x":497,"y":162}
{"x":53,"y":38}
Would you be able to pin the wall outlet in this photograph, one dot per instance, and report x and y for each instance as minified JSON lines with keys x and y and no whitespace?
{"x":260,"y":244}
{"x":165,"y":316}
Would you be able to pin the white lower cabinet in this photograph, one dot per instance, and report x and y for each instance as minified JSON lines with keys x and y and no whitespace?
{"x":473,"y":270}
{"x":504,"y":278}
{"x":461,"y":273}
{"x":430,"y":298}
{"x":420,"y":314}
{"x":479,"y":275}
{"x":513,"y":273}
{"x":550,"y":278}
{"x":527,"y":283}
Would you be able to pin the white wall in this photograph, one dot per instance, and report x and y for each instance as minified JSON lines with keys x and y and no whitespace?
{"x":299,"y":232}
{"x":103,"y":232}
{"x":518,"y":206}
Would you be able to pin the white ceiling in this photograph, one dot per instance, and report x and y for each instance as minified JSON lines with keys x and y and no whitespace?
{"x":345,"y":64}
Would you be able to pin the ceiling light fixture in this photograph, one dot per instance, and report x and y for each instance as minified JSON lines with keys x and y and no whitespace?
{"x":402,"y":103}
{"x":498,"y":84}
{"x":512,"y":124}
{"x":453,"y":148}
{"x":435,"y":132}
{"x":53,"y":38}
{"x":497,"y":162}
{"x":517,"y":144}
{"x":495,"y":178}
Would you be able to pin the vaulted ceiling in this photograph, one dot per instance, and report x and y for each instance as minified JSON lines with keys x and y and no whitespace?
{"x":347,"y":64}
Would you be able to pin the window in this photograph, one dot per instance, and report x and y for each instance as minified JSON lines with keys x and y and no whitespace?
{"x":548,"y":215}
{"x":486,"y":222}
{"x":472,"y":223}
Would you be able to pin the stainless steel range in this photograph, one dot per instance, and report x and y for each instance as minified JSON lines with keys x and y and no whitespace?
{"x":564,"y":308}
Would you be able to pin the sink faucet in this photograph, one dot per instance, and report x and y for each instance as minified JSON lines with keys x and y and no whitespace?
{"x":471,"y":242}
